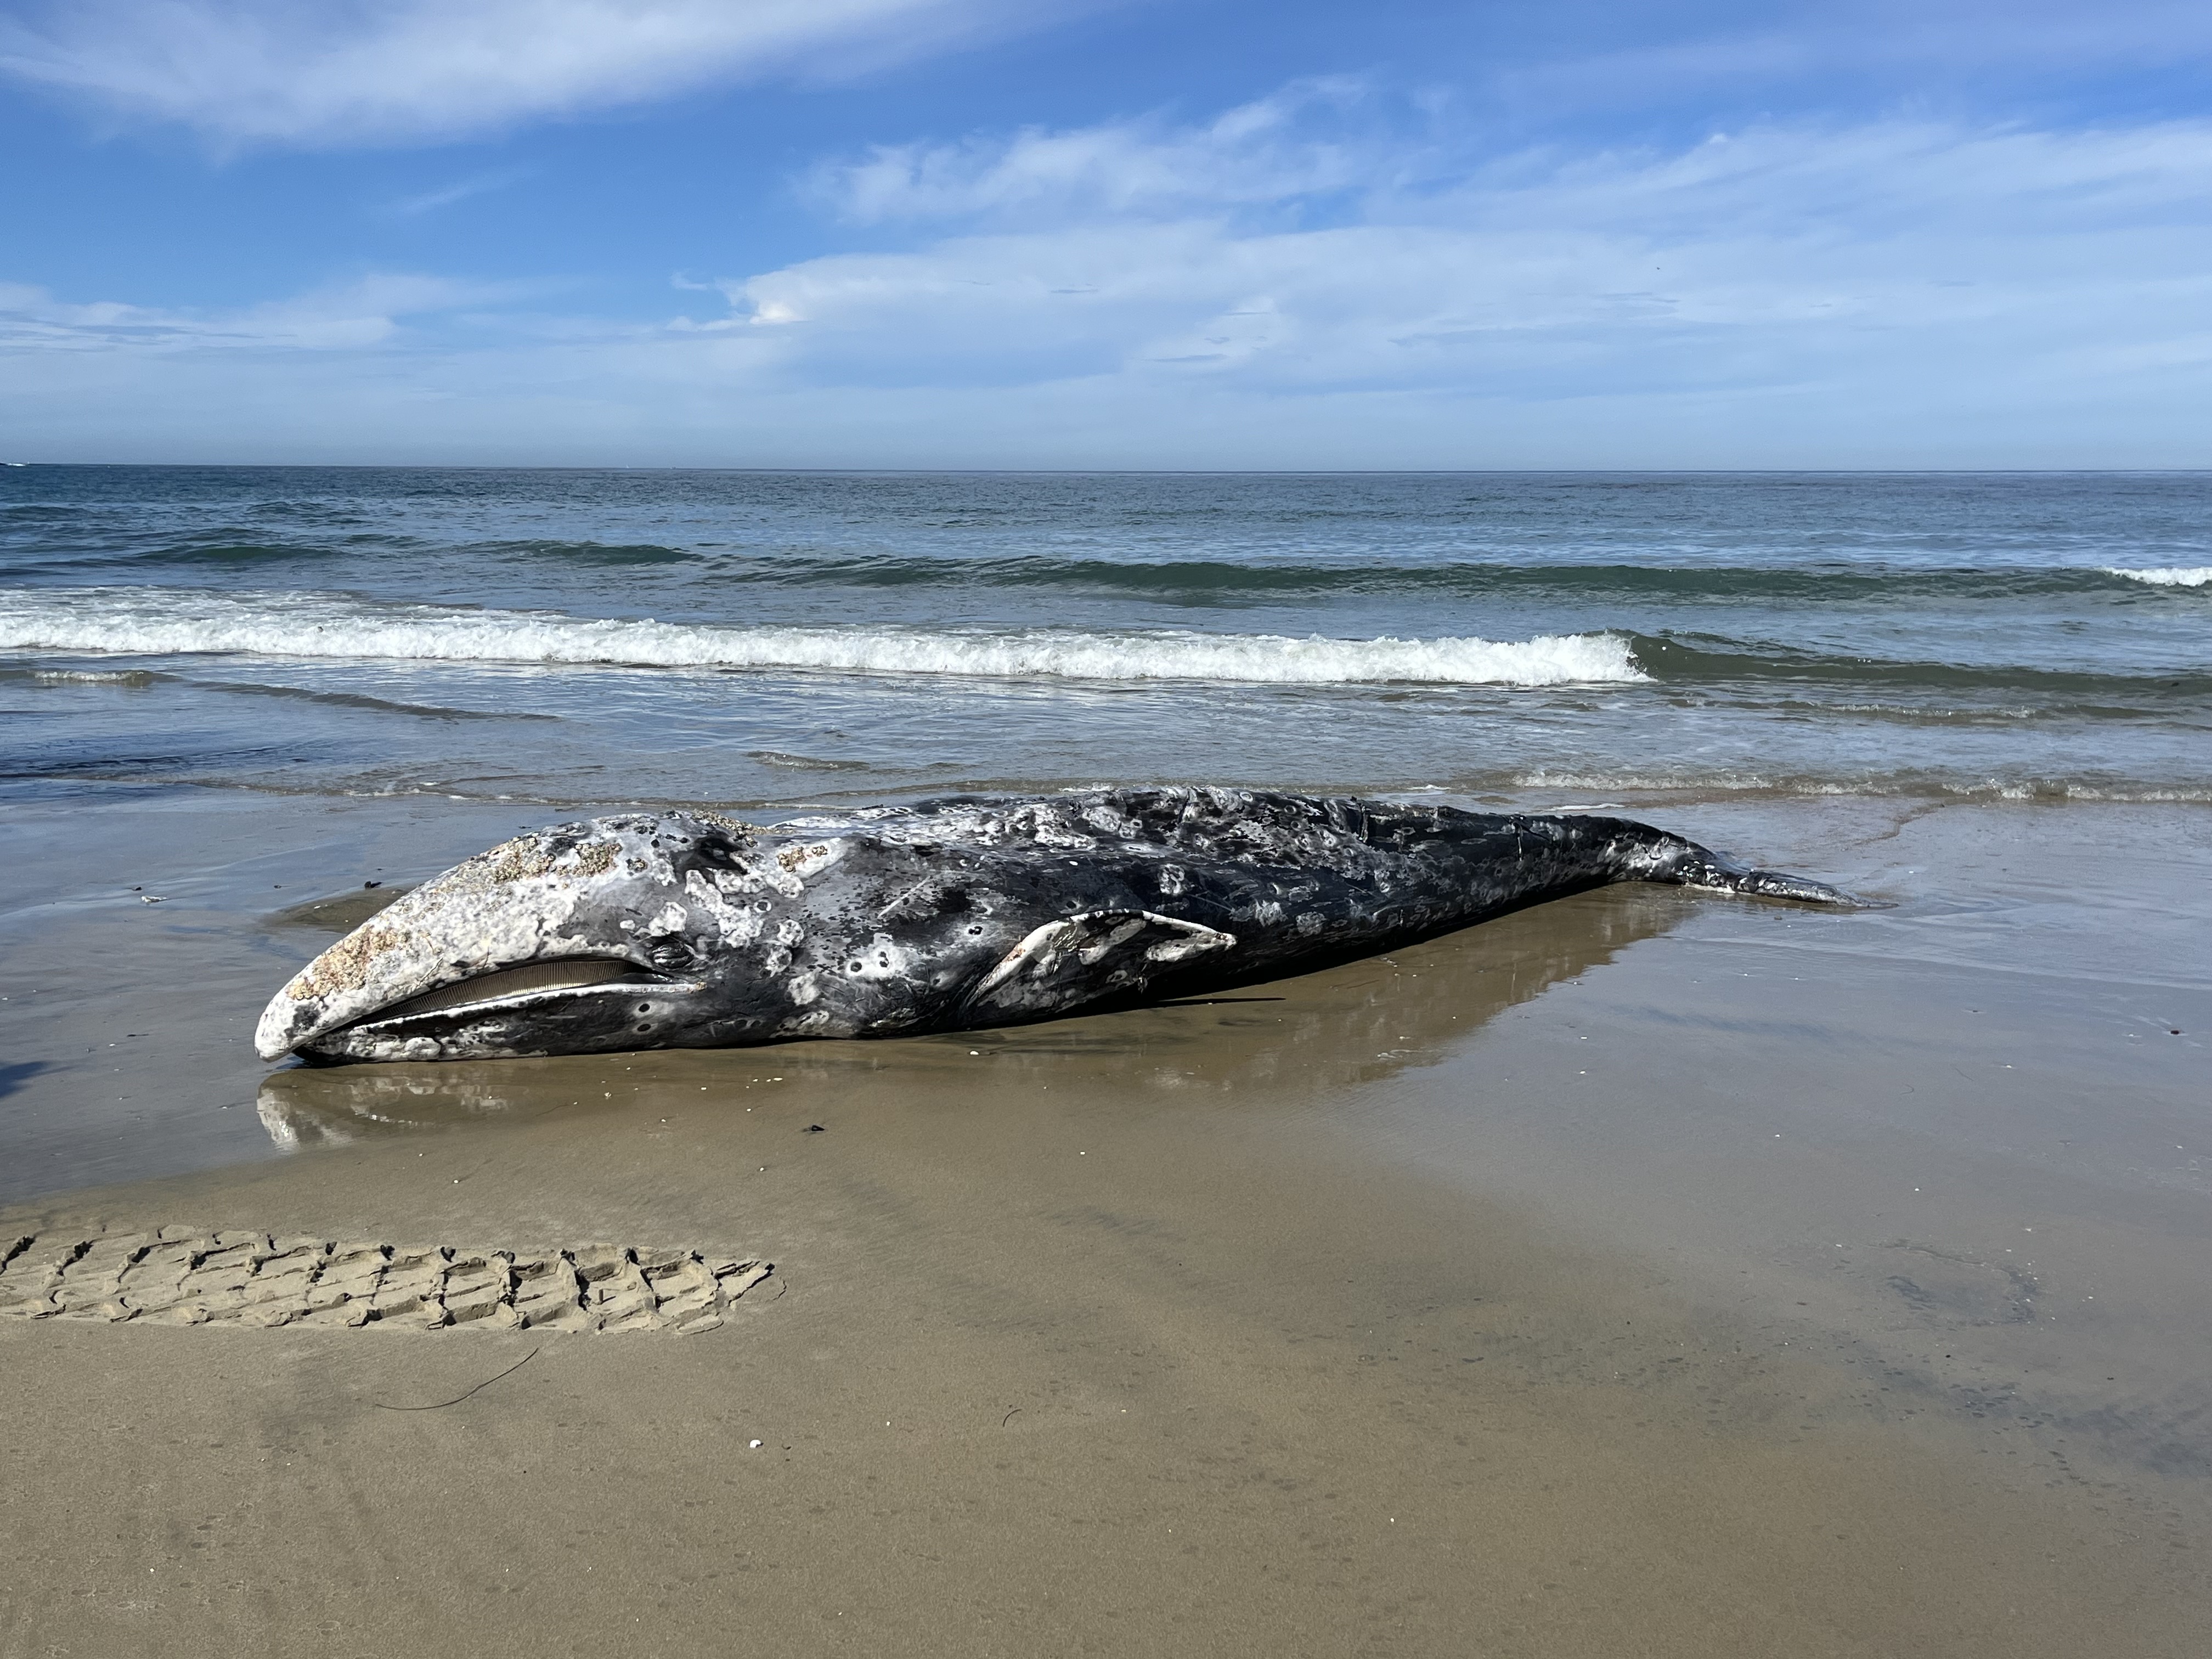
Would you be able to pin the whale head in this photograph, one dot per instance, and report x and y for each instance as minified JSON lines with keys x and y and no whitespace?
{"x":584,"y":938}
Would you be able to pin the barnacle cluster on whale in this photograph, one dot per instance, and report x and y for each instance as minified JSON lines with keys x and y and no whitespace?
{"x":690,"y":929}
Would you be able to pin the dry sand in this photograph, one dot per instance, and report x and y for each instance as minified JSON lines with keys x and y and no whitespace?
{"x":1556,"y":1289}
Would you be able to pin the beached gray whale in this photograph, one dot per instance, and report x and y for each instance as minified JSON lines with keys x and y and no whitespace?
{"x":688,"y":929}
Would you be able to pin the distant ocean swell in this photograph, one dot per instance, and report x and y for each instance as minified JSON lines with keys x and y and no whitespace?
{"x":1707,"y":659}
{"x":1186,"y":580}
{"x":1203,"y":579}
{"x":169,"y":624}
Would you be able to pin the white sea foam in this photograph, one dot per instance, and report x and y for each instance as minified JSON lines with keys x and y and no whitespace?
{"x":2171,"y":576}
{"x":131,"y":677}
{"x":1728,"y":783}
{"x":162,"y":623}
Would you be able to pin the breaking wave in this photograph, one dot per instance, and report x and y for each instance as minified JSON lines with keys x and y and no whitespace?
{"x":156,"y":622}
{"x":2171,"y":576}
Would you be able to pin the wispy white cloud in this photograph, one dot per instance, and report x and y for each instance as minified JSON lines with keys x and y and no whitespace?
{"x":1335,"y":138}
{"x":350,"y":317}
{"x":1764,"y":258}
{"x":1235,"y":291}
{"x":330,"y":72}
{"x":1265,"y":153}
{"x":461,"y":190}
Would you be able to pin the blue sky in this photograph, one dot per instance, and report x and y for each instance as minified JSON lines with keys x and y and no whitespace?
{"x":1106,"y":233}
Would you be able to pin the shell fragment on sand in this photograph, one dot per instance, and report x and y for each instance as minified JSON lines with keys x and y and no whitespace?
{"x":188,"y":1276}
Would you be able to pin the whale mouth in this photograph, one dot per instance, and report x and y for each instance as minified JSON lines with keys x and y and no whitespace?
{"x":503,"y":985}
{"x":533,"y":987}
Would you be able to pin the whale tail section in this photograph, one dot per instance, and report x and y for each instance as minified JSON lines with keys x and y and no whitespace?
{"x":1716,"y":874}
{"x":1657,"y":855}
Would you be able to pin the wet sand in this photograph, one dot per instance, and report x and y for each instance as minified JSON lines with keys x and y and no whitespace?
{"x":1559,"y":1288}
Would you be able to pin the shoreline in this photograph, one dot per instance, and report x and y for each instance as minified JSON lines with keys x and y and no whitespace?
{"x":1485,"y":1292}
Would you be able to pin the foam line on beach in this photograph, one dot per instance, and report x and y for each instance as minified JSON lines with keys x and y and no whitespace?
{"x":167,"y":624}
{"x":1893,"y":785}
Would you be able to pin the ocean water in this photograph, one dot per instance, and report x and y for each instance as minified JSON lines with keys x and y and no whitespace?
{"x":577,"y":639}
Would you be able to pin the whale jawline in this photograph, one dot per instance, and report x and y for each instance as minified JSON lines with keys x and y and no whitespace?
{"x":568,"y":974}
{"x":533,"y":985}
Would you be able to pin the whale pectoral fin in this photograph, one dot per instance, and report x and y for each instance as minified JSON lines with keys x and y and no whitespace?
{"x":1085,"y":957}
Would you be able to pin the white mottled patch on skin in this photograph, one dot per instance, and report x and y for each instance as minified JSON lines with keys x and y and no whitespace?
{"x":803,"y":863}
{"x":881,"y":958}
{"x":1050,"y":829}
{"x":803,"y":988}
{"x":670,"y":919}
{"x":1181,"y":949}
{"x":738,"y":924}
{"x":413,"y":1047}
